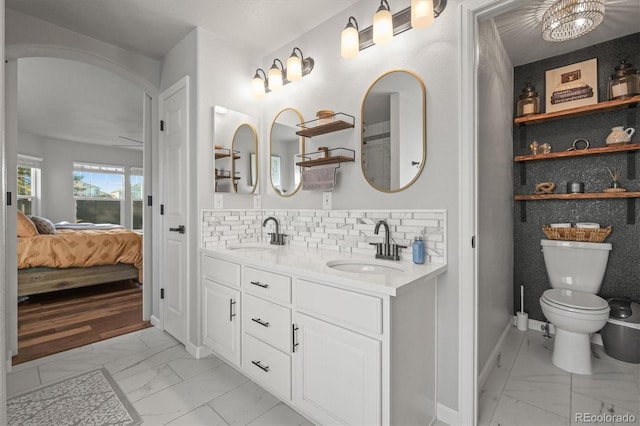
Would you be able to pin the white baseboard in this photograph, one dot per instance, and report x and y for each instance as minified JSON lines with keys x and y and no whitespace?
{"x":155,"y":321}
{"x":488,"y":366}
{"x":447,"y":415}
{"x":596,"y":338}
{"x":197,"y":351}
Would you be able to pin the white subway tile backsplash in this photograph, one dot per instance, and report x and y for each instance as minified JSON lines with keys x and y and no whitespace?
{"x":339,"y":230}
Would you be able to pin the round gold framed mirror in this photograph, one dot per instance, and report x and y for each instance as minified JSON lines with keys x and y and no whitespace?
{"x":394,"y":131}
{"x":285,"y":149}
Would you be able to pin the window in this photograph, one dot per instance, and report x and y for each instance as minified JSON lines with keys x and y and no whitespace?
{"x":136,"y":198}
{"x":28,"y":192}
{"x":98,"y":191}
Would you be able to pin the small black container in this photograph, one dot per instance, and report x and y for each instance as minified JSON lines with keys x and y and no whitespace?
{"x":621,"y":333}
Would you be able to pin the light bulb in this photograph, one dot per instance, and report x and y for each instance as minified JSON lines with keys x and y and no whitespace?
{"x":257,"y":86}
{"x":350,"y":41}
{"x":275,"y":78}
{"x":422,"y":14}
{"x":294,"y":67}
{"x":382,"y":26}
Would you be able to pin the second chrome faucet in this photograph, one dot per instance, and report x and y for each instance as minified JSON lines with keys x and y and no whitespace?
{"x":386,"y":250}
{"x":276,"y":237}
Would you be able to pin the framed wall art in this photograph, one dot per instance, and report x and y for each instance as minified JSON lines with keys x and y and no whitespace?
{"x":571,"y":86}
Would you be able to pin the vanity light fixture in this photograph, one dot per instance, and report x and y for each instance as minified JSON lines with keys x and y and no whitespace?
{"x":275,"y":75}
{"x":259,"y":84}
{"x":382,"y":24}
{"x":419,"y":14}
{"x":422,"y":14}
{"x":569,"y":19}
{"x":278,"y":76}
{"x":350,"y":39}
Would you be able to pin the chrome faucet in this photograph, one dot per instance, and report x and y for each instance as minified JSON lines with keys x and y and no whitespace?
{"x":387,"y":250}
{"x":276,"y":237}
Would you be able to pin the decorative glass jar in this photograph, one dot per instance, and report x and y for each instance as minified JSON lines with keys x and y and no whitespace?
{"x":625,"y":82}
{"x":528,"y":102}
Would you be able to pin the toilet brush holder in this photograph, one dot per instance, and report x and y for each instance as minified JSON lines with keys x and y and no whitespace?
{"x":522,"y":321}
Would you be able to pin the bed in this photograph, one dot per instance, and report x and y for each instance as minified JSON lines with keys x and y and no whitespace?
{"x":57,"y":259}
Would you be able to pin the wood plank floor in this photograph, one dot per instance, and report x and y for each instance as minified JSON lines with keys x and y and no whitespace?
{"x":55,"y":322}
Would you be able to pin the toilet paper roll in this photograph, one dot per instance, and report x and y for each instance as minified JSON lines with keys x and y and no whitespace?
{"x":522,"y":321}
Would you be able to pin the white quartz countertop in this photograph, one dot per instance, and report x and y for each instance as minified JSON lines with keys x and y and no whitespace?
{"x":312,"y":264}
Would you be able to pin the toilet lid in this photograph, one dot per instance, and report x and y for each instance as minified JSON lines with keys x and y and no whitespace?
{"x":575,"y":299}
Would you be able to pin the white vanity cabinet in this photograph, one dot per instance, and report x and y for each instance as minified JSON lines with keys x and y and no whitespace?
{"x":221,"y":307}
{"x":339,"y":348}
{"x":267,"y":326}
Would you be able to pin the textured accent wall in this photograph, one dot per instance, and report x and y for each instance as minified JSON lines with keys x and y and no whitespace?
{"x":345,"y":231}
{"x":622,"y":278}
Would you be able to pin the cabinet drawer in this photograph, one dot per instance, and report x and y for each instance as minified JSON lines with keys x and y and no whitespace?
{"x":268,"y":322}
{"x":267,"y":284}
{"x":347,"y":308}
{"x":268,"y":366}
{"x":224,"y":272}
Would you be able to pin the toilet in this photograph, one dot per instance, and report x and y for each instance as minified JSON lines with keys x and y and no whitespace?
{"x":575,"y":270}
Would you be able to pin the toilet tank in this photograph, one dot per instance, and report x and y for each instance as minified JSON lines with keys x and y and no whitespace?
{"x":575,"y":265}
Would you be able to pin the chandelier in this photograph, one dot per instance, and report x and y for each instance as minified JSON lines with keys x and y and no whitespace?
{"x":569,"y":19}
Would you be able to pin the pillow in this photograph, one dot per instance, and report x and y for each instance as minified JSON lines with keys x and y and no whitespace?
{"x":26,"y":228}
{"x":43,"y":225}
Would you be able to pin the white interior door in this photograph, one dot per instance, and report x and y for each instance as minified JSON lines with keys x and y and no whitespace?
{"x":174,"y":112}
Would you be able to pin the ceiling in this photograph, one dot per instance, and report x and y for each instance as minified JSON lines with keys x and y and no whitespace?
{"x":153,"y":27}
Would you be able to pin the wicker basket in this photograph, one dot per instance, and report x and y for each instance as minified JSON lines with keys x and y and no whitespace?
{"x":577,"y":234}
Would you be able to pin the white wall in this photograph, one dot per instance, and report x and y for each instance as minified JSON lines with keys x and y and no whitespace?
{"x":27,"y":36}
{"x":495,"y":193}
{"x":57,"y":169}
{"x":340,"y":85}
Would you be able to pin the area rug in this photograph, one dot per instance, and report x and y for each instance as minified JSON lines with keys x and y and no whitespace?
{"x":91,"y":398}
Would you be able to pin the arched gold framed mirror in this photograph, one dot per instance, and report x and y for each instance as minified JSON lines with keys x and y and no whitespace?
{"x":244,"y":166}
{"x":284,"y":147}
{"x":394,"y":131}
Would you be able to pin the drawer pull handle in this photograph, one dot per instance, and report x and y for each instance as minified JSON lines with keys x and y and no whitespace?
{"x":260,"y":366}
{"x":231,"y":310}
{"x":259,"y":284}
{"x":259,"y":321}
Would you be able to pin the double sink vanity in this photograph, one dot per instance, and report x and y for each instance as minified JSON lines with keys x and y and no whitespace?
{"x":342,"y":338}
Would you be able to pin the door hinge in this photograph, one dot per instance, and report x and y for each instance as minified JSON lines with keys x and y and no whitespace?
{"x":162,"y":209}
{"x":9,"y":198}
{"x":162,"y":125}
{"x":149,"y":201}
{"x":162,"y":293}
{"x":473,"y":242}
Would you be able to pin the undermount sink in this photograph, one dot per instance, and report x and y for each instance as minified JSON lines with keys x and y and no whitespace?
{"x":365,"y":266}
{"x":250,"y":247}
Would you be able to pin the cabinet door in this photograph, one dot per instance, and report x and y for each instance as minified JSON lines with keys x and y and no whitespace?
{"x":338,"y":373}
{"x":222,"y":320}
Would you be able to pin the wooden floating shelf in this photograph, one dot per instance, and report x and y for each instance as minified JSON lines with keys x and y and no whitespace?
{"x":312,"y":128}
{"x":224,"y":153}
{"x":606,"y":106}
{"x":621,"y":147}
{"x":581,"y":196}
{"x":336,"y":159}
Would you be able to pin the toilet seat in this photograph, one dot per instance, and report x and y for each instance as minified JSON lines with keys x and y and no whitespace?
{"x":575,"y":301}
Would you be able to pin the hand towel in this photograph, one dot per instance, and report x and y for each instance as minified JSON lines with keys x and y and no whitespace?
{"x":319,"y":179}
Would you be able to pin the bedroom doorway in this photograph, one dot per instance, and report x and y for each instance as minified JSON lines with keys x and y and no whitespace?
{"x":128,"y":138}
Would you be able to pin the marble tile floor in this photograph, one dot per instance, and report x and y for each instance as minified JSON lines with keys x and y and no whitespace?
{"x":525,"y":388}
{"x":165,"y":384}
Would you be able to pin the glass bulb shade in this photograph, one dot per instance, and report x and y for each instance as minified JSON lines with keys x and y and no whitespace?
{"x":349,"y":42}
{"x":294,"y":68}
{"x":422,"y":14}
{"x":257,"y":87}
{"x":569,"y":19}
{"x":275,"y":78}
{"x":382,"y":27}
